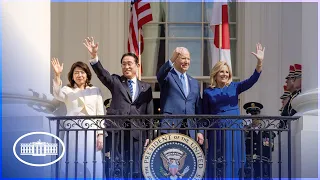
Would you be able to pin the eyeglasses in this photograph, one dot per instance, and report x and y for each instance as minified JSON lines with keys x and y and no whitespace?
{"x":130,"y":64}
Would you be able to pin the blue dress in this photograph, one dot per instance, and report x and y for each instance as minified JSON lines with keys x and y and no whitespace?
{"x":224,"y":101}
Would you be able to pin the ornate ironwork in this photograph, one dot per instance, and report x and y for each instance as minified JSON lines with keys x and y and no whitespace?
{"x":116,"y":125}
{"x":143,"y":122}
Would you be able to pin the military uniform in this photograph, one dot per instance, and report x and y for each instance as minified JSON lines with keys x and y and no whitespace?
{"x":287,"y":107}
{"x":259,"y":144}
{"x":281,"y":109}
{"x":291,"y":111}
{"x":285,"y":110}
{"x":297,"y":75}
{"x":286,"y":94}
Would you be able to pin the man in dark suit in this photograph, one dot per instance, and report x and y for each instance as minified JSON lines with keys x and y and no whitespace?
{"x":130,"y":96}
{"x":255,"y":140}
{"x":179,"y":92}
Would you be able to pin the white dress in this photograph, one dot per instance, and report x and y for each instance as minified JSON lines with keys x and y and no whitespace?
{"x":80,"y":103}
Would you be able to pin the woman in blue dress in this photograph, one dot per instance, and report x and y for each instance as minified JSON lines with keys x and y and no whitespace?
{"x":221,"y":98}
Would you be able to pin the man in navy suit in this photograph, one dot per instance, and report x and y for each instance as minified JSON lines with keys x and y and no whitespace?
{"x":130,"y":96}
{"x":179,"y":92}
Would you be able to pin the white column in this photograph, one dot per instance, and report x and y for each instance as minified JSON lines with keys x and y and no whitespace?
{"x":26,"y":58}
{"x":306,"y":104}
{"x":275,"y":26}
{"x":26,"y":81}
{"x":262,"y":22}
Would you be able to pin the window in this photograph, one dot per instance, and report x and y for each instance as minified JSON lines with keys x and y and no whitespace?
{"x":184,"y":24}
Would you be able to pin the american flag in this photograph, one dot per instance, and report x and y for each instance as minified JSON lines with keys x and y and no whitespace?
{"x":140,"y":15}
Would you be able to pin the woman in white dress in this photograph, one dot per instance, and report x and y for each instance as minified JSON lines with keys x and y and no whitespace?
{"x":81,"y":99}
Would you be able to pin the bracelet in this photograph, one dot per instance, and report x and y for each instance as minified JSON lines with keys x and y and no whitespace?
{"x":259,"y":65}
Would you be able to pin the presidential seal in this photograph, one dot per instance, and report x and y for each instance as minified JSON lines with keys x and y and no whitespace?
{"x":173,"y":156}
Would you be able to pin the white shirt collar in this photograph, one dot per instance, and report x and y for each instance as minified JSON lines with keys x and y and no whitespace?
{"x":179,"y":73}
{"x":134,"y":80}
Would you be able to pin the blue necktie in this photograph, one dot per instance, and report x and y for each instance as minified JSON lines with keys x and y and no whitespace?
{"x":183,"y":84}
{"x":130,"y":87}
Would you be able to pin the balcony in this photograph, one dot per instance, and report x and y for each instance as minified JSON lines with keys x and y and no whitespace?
{"x":234,"y":146}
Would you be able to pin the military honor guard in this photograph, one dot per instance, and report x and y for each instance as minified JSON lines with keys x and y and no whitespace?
{"x":297,"y":87}
{"x":290,"y":83}
{"x":290,"y":87}
{"x":285,"y":97}
{"x":255,"y":140}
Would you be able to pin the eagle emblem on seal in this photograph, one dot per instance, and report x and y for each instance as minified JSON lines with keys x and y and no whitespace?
{"x":173,"y":160}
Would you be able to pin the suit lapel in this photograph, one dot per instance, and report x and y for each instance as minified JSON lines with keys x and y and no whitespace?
{"x":126,"y":87}
{"x":189,"y":84}
{"x":177,"y":79}
{"x":140,"y":89}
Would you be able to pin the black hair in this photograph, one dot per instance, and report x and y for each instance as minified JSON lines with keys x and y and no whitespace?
{"x":132,"y":55}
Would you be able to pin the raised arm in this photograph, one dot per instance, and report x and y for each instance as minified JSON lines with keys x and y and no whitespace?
{"x":248,"y":83}
{"x":260,"y":56}
{"x":166,"y":67}
{"x":103,"y":75}
{"x":163,"y":72}
{"x":57,"y":83}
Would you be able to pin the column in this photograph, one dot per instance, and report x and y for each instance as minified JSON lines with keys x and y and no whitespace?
{"x":306,"y":104}
{"x":26,"y":58}
{"x":26,"y":81}
{"x":263,"y":22}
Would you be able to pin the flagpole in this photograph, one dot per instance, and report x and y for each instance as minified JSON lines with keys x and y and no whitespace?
{"x":220,"y":32}
{"x":139,"y":55}
{"x":220,"y":40}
